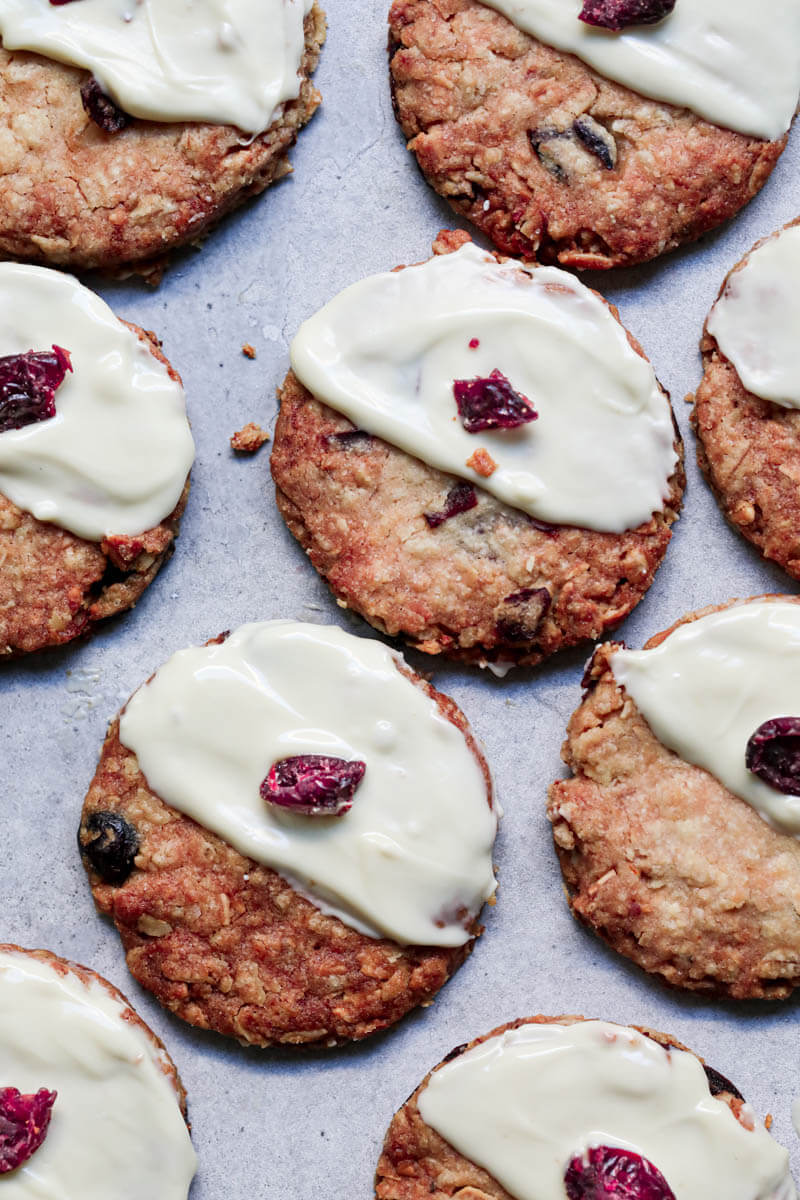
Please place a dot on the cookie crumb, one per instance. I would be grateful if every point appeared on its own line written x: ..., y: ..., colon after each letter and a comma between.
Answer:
x: 482, y: 462
x: 248, y: 351
x: 768, y: 1121
x: 249, y: 439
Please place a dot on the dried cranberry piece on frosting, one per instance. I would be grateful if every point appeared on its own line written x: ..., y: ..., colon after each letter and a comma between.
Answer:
x: 461, y: 498
x: 23, y: 1125
x: 606, y: 1171
x: 619, y: 14
x: 28, y: 384
x: 491, y: 403
x: 773, y: 754
x: 102, y: 109
x: 316, y: 785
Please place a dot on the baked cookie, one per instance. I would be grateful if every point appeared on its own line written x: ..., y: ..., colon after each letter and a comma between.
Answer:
x: 678, y: 831
x: 91, y: 1103
x: 746, y: 408
x: 486, y: 534
x: 555, y: 161
x: 85, y: 185
x: 516, y: 1115
x: 292, y: 833
x: 88, y: 513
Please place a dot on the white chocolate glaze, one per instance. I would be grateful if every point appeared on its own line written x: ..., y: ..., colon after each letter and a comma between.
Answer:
x: 524, y: 1103
x: 114, y: 458
x: 387, y: 350
x: 116, y: 1128
x: 415, y: 849
x: 756, y: 320
x: 224, y: 61
x: 731, y: 61
x: 706, y: 689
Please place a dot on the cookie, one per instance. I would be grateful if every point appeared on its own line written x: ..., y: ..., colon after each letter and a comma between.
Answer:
x: 320, y: 922
x: 550, y: 159
x: 89, y: 1090
x: 749, y: 433
x: 674, y: 844
x: 515, y: 1115
x: 88, y: 514
x: 74, y: 195
x: 427, y: 543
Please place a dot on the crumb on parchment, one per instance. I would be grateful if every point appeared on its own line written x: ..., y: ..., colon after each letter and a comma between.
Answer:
x: 249, y: 439
x: 248, y: 351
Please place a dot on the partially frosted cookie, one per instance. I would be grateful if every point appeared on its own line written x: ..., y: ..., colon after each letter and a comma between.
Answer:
x: 746, y: 408
x: 477, y: 456
x: 88, y: 510
x: 293, y: 834
x: 678, y: 831
x: 91, y: 1105
x: 561, y: 1108
x: 126, y: 133
x: 594, y: 147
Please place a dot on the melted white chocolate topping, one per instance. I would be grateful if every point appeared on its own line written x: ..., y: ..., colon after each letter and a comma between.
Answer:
x: 523, y: 1104
x: 116, y: 1128
x: 225, y: 61
x: 114, y: 458
x: 386, y: 352
x: 733, y: 62
x: 756, y: 320
x: 708, y: 686
x: 414, y: 852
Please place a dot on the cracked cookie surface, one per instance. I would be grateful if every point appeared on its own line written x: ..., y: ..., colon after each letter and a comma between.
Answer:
x: 72, y: 195
x: 549, y: 159
x: 227, y: 944
x: 56, y: 586
x: 663, y: 862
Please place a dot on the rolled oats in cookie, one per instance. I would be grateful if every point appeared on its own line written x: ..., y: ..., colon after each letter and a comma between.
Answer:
x: 161, y: 115
x: 594, y: 147
x: 678, y: 831
x: 456, y: 438
x: 92, y: 1105
x: 746, y: 407
x: 88, y: 511
x: 293, y: 833
x: 555, y: 1108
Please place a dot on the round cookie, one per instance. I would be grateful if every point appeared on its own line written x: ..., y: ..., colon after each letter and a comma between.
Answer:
x: 662, y: 860
x: 118, y: 1097
x: 749, y: 450
x: 56, y: 584
x: 75, y: 196
x: 418, y: 1162
x: 489, y: 584
x: 490, y: 114
x: 226, y: 942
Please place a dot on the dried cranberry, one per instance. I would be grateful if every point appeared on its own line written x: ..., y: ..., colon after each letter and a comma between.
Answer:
x: 347, y: 439
x: 474, y: 343
x: 461, y: 498
x: 520, y: 614
x: 717, y: 1083
x: 23, y: 1125
x: 111, y: 844
x: 28, y: 384
x: 102, y: 109
x: 607, y: 1171
x: 316, y: 785
x: 619, y: 14
x: 491, y: 404
x: 773, y: 753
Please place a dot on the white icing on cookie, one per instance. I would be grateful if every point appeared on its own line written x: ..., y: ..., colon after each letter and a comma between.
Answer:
x: 114, y: 458
x: 523, y: 1104
x: 709, y: 685
x: 756, y: 320
x: 116, y: 1128
x: 415, y: 849
x: 387, y: 350
x: 731, y: 61
x: 225, y: 61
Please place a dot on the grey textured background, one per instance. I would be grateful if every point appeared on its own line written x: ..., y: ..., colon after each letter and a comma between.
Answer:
x: 272, y: 1124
